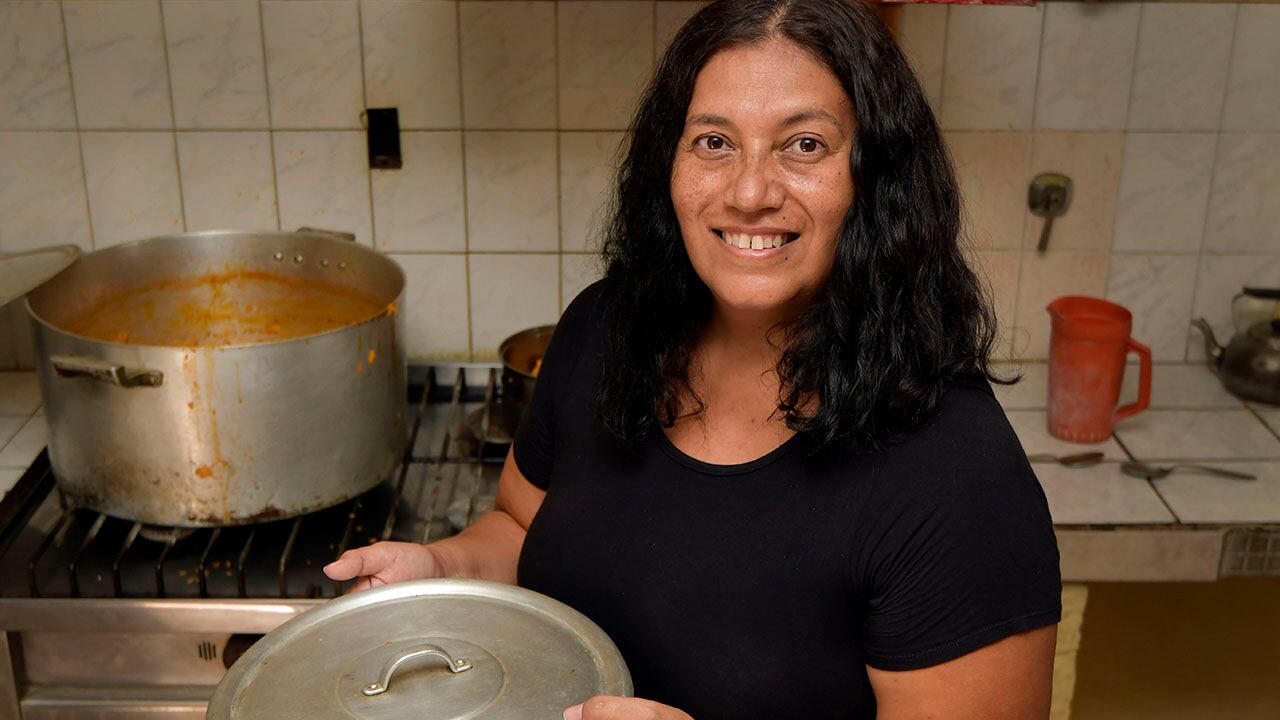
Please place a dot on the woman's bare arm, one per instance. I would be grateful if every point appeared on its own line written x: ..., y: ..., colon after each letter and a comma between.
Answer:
x: 489, y: 549
x: 1008, y: 680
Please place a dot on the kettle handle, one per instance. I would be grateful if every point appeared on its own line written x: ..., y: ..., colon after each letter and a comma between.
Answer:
x: 1144, y: 381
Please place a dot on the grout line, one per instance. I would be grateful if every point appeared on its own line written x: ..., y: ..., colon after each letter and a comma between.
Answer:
x: 75, y: 116
x: 173, y: 115
x: 1035, y: 93
x: 271, y: 121
x: 1213, y: 176
x: 364, y: 96
x: 555, y: 29
x: 1274, y: 431
x: 1133, y: 74
x: 466, y: 210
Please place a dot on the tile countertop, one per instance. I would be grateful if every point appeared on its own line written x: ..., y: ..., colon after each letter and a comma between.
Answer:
x: 1110, y: 526
x: 1183, y: 527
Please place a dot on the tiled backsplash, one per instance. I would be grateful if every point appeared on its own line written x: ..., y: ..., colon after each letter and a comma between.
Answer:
x: 121, y: 119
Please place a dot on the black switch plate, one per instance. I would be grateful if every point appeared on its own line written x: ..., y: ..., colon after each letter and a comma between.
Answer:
x: 384, y: 138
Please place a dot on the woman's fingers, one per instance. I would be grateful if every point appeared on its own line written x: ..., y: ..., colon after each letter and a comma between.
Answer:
x: 607, y: 707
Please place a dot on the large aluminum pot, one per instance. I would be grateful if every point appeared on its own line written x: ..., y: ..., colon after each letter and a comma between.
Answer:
x: 223, y: 434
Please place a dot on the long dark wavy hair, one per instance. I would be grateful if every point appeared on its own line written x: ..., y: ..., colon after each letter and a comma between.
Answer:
x: 901, y: 317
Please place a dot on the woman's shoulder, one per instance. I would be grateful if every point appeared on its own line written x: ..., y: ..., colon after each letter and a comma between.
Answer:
x: 966, y: 444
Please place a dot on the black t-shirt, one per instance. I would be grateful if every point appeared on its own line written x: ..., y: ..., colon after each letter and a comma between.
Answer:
x: 762, y: 590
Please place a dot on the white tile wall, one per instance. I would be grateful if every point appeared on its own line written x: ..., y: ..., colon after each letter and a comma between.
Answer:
x: 1164, y: 192
x: 313, y: 63
x: 411, y: 60
x: 420, y: 208
x: 1244, y: 216
x: 605, y: 56
x: 922, y: 35
x: 118, y: 64
x: 587, y: 163
x: 435, y: 306
x: 1253, y: 95
x: 1165, y: 115
x: 511, y: 191
x: 42, y: 196
x: 992, y: 168
x: 1180, y: 77
x: 508, y: 64
x: 228, y: 180
x: 1086, y: 66
x: 510, y: 293
x: 132, y: 179
x: 323, y: 181
x: 35, y: 85
x: 216, y: 63
x: 989, y: 75
x: 1158, y: 290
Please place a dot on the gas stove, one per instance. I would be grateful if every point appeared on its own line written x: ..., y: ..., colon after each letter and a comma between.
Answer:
x: 102, y: 617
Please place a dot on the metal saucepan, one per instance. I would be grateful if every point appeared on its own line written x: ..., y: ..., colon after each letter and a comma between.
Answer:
x: 283, y: 394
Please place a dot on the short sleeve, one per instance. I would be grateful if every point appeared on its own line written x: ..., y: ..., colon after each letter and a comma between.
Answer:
x: 534, y: 445
x: 960, y: 551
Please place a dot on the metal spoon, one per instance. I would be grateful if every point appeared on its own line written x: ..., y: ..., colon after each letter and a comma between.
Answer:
x: 1079, y: 460
x: 1153, y: 472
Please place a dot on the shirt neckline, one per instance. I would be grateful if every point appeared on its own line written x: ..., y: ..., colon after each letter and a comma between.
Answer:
x: 707, y: 468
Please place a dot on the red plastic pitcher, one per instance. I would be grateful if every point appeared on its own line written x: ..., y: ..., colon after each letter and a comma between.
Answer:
x: 1087, y: 350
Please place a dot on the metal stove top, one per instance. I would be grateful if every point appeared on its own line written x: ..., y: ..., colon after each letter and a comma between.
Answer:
x: 103, y: 618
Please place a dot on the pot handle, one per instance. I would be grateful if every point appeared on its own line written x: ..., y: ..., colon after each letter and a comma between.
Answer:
x: 74, y: 366
x: 350, y: 237
x: 389, y: 668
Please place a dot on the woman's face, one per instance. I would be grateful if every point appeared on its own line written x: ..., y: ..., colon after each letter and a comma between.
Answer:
x: 761, y: 180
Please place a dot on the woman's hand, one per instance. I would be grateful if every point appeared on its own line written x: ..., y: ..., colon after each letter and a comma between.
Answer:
x: 384, y: 563
x: 607, y: 707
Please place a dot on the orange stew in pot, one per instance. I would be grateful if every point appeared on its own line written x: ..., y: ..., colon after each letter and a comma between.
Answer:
x: 237, y: 307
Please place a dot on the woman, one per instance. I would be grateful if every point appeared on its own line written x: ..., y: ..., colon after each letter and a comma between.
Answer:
x: 763, y: 453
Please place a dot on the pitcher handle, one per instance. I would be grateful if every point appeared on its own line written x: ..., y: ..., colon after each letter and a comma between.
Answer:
x: 1144, y: 381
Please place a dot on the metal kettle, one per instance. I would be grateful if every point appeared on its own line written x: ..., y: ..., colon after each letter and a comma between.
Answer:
x: 1249, y: 366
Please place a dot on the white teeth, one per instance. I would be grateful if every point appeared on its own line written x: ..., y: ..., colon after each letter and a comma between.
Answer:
x: 755, y: 242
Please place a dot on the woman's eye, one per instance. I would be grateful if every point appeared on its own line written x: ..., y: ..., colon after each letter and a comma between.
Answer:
x: 808, y: 145
x: 711, y: 142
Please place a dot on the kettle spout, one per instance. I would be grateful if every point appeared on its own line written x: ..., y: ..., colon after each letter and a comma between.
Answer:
x: 1212, y: 349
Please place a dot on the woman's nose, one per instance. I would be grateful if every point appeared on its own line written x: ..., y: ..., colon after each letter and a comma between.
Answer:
x: 755, y: 187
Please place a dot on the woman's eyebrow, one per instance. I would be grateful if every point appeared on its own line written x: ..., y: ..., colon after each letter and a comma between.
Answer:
x: 814, y: 114
x: 795, y: 119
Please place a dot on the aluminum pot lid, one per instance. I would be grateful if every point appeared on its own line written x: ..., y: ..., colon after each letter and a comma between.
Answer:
x: 20, y: 273
x: 427, y: 649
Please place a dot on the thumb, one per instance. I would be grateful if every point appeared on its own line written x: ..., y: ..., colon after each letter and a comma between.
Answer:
x: 573, y: 713
x: 353, y: 563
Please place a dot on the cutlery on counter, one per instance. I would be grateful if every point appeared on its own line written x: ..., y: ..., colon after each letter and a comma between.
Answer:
x: 1079, y: 460
x: 1155, y: 472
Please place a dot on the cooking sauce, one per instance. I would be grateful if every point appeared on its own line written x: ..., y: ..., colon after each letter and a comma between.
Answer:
x: 238, y: 307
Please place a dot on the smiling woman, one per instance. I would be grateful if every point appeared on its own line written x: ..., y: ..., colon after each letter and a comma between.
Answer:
x: 763, y: 453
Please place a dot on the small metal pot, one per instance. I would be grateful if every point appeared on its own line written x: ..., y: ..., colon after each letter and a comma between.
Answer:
x: 427, y: 649
x: 520, y: 354
x: 200, y: 436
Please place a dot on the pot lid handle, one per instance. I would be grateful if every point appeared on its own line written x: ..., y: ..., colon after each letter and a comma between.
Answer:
x: 348, y: 236
x: 22, y: 272
x: 383, y: 683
